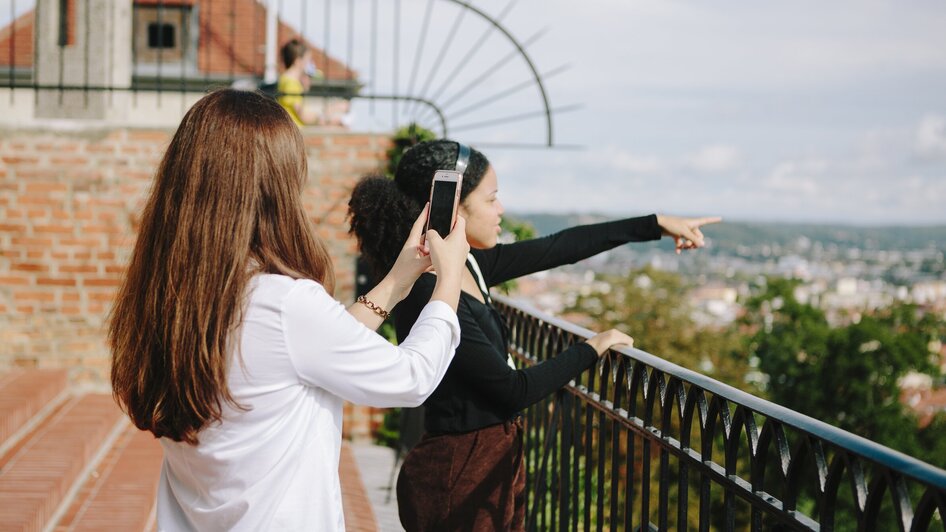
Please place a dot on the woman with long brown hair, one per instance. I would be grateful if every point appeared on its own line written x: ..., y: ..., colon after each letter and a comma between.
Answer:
x: 226, y: 341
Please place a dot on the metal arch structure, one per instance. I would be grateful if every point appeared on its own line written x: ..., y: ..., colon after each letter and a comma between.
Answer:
x: 198, y: 66
x: 435, y: 108
x: 525, y: 57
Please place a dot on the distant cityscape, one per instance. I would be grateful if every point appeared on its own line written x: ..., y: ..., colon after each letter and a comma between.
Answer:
x: 843, y: 270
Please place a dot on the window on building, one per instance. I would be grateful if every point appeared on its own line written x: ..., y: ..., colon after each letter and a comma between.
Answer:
x: 160, y: 35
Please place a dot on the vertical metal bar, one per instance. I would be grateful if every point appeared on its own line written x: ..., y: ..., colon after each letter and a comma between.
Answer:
x: 614, y: 512
x: 351, y: 39
x: 233, y: 45
x: 553, y: 475
x: 629, y: 462
x: 683, y: 489
x: 206, y: 40
x: 395, y: 64
x: 544, y: 473
x: 63, y: 41
x: 254, y: 32
x: 63, y: 22
x: 602, y: 445
x: 374, y: 52
x: 531, y: 466
x: 328, y: 62
x: 589, y: 444
x: 160, y: 49
x: 663, y: 494
x: 12, y: 48
x: 85, y: 74
x: 707, y: 437
x: 565, y: 446
x: 270, y: 64
x: 577, y: 477
x: 645, y: 466
x: 184, y: 41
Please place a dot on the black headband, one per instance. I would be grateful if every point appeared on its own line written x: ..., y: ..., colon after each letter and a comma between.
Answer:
x: 463, y: 157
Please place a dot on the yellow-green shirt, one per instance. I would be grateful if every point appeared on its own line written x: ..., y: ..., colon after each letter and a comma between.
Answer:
x: 290, y: 95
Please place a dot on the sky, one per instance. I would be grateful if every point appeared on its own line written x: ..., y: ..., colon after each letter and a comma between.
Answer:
x: 757, y: 111
x: 799, y: 111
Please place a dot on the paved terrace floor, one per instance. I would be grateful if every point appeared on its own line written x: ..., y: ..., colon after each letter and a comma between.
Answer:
x: 71, y: 462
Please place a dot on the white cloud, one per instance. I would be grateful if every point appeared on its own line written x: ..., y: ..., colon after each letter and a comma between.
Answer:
x: 624, y: 161
x: 798, y: 177
x: 714, y: 158
x: 930, y: 140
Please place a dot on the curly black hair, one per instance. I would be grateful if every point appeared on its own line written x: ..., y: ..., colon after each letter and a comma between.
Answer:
x: 382, y: 210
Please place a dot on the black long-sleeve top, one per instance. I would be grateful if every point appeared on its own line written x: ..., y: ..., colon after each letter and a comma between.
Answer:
x: 480, y: 389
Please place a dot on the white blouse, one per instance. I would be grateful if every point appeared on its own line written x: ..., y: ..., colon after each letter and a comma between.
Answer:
x: 274, y: 464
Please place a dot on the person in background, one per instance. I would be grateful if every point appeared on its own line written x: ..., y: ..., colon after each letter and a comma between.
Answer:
x: 467, y: 472
x: 295, y: 81
x: 227, y: 343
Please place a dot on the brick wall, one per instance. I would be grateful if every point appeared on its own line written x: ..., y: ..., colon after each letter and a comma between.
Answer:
x: 68, y: 203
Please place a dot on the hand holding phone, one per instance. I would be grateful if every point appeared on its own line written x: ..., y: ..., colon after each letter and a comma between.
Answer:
x: 444, y: 200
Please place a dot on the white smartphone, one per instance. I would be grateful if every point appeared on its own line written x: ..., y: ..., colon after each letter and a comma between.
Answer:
x: 444, y: 199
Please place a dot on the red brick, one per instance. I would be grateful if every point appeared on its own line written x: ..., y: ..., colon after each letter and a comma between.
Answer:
x: 58, y: 281
x: 31, y: 241
x: 33, y: 296
x: 19, y: 159
x: 102, y: 282
x: 38, y: 173
x: 355, y: 141
x: 39, y: 188
x: 55, y: 229
x: 14, y: 281
x: 82, y: 242
x: 100, y: 148
x: 102, y: 297
x: 38, y: 199
x: 148, y: 136
x: 84, y: 268
x: 29, y: 267
x: 77, y: 161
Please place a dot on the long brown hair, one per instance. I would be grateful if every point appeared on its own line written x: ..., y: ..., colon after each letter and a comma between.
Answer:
x: 225, y: 204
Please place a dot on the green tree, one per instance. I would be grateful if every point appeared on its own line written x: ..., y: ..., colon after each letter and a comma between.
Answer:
x: 652, y: 306
x: 405, y: 138
x: 847, y: 376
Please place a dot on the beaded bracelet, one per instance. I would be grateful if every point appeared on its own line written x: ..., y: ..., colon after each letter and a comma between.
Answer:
x: 374, y: 308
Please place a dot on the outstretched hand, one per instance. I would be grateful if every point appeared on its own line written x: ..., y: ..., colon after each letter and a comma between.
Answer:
x: 685, y: 232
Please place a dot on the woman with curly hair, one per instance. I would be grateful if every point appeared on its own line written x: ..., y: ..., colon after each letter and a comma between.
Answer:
x: 467, y: 471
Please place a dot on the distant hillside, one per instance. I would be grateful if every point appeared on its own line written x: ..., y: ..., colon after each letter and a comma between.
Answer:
x: 729, y: 235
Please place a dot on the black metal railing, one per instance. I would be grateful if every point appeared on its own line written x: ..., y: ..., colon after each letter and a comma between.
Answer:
x: 642, y: 444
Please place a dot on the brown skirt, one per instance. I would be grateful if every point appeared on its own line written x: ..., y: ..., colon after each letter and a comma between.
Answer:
x: 469, y: 481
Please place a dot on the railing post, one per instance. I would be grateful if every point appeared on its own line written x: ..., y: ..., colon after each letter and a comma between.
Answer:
x: 272, y: 13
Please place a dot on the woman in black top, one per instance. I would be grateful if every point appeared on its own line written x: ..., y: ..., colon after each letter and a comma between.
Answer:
x: 467, y: 472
